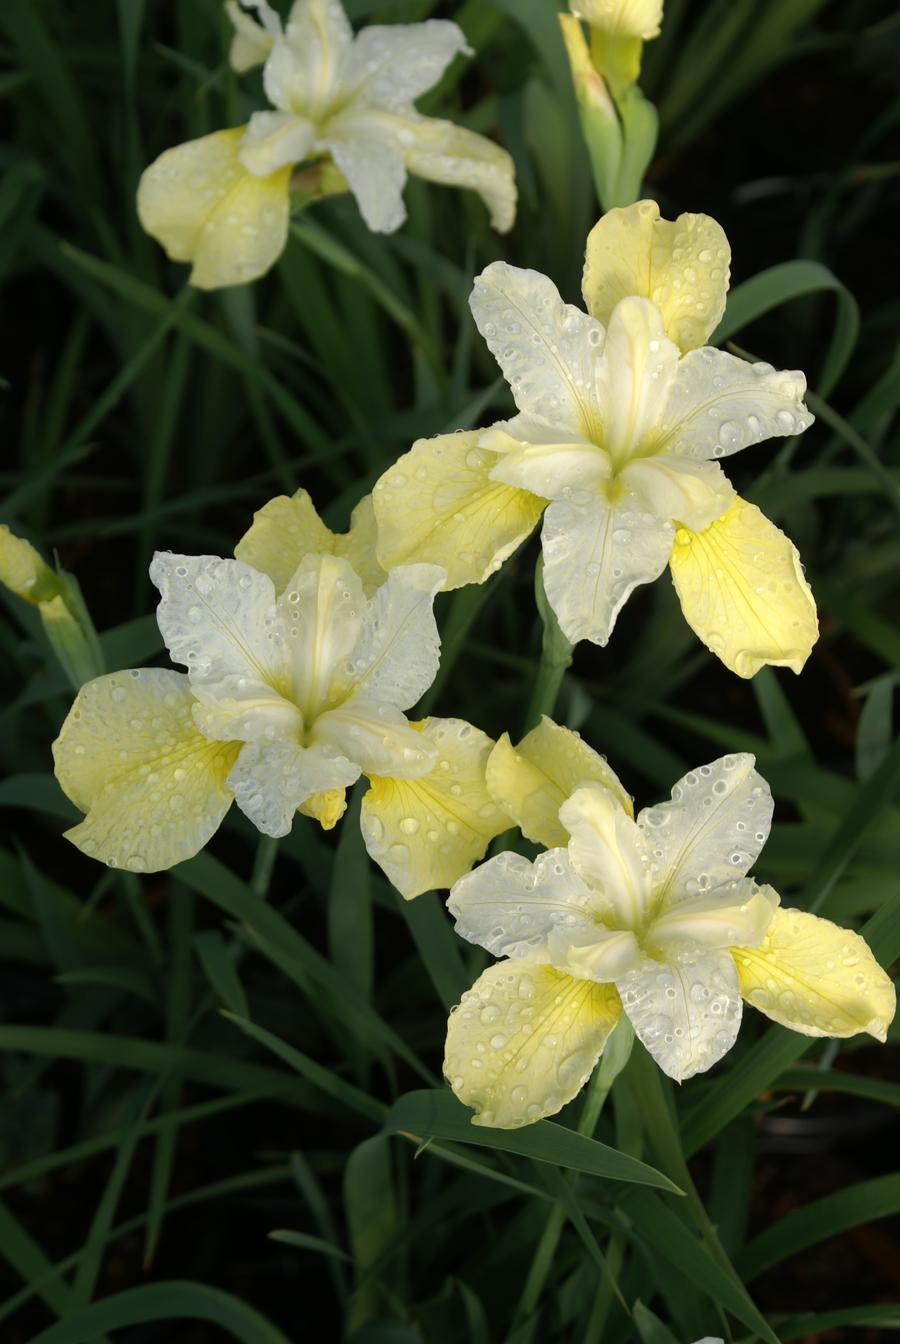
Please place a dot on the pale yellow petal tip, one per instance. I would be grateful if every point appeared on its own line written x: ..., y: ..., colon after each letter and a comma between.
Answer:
x: 621, y: 18
x: 743, y: 591
x: 326, y: 808
x: 817, y: 978
x: 23, y: 571
x: 682, y: 265
x: 532, y: 781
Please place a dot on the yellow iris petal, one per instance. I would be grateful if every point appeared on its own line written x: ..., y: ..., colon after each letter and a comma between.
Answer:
x: 438, y: 504
x: 742, y: 590
x: 427, y: 832
x: 130, y: 756
x: 202, y: 205
x: 682, y: 266
x: 288, y: 528
x: 622, y: 18
x: 533, y: 780
x: 326, y: 808
x: 524, y: 1040
x: 816, y: 978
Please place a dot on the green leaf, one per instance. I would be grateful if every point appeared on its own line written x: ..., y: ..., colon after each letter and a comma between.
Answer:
x: 172, y: 1301
x: 791, y: 280
x: 218, y: 963
x: 823, y: 1218
x: 325, y: 1079
x: 438, y: 1114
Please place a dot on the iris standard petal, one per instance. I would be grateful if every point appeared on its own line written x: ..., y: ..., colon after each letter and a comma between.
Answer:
x: 397, y: 654
x: 609, y: 853
x: 548, y: 350
x: 718, y: 404
x: 713, y: 829
x: 633, y: 251
x: 218, y: 618
x: 531, y: 782
x: 322, y: 611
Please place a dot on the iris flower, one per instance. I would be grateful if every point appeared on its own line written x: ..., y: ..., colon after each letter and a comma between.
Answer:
x: 624, y: 415
x: 655, y: 917
x: 297, y: 682
x: 340, y: 101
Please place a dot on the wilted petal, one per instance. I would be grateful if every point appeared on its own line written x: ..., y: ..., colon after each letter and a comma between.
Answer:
x: 511, y: 906
x: 609, y: 853
x: 218, y: 618
x: 742, y: 590
x: 713, y: 829
x: 531, y: 782
x: 595, y: 554
x: 719, y: 404
x: 271, y: 779
x: 438, y: 504
x: 632, y: 251
x: 524, y: 1040
x: 377, y: 738
x: 130, y: 756
x: 202, y: 205
x: 549, y: 351
x: 427, y: 832
x: 685, y: 1012
x: 397, y: 654
x: 816, y: 978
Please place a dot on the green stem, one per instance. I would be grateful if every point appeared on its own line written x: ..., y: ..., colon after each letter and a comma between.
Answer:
x: 556, y: 658
x: 613, y: 1060
x: 263, y: 864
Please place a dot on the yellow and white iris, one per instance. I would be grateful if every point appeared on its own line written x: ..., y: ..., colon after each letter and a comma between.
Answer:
x: 655, y: 917
x: 295, y: 687
x: 623, y: 415
x: 222, y: 202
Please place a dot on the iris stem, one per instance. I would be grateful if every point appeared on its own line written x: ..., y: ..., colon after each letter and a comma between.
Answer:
x: 263, y: 865
x: 612, y: 1062
x: 556, y: 658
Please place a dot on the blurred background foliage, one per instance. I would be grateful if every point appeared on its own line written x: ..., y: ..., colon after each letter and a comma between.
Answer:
x: 177, y: 1173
